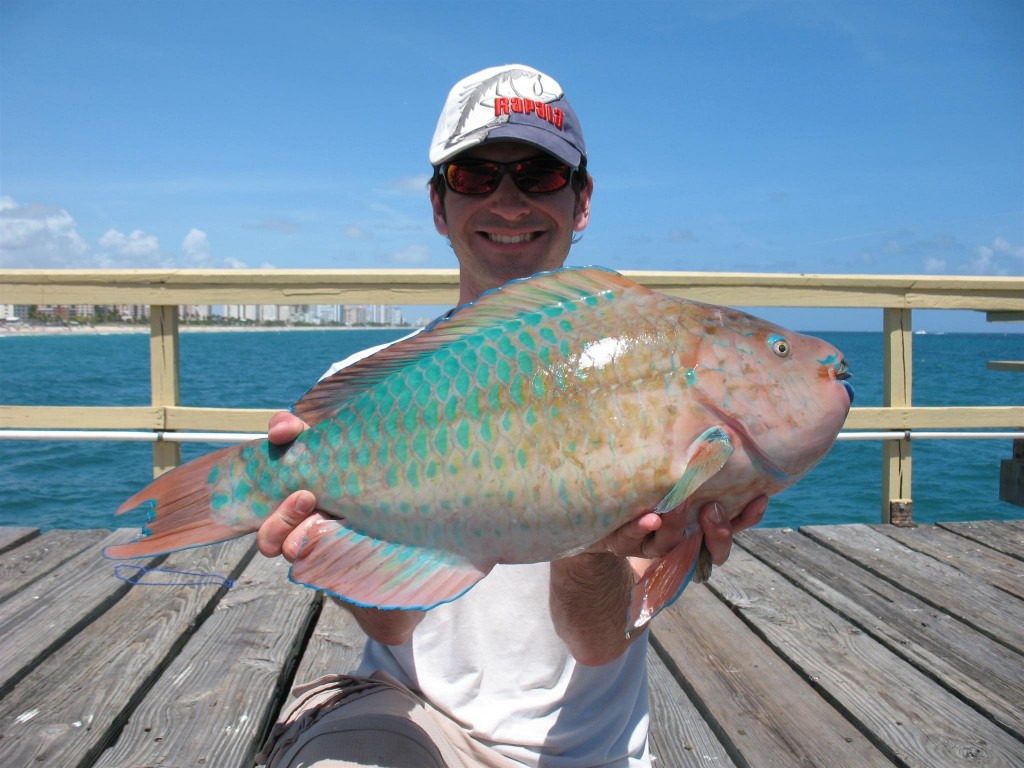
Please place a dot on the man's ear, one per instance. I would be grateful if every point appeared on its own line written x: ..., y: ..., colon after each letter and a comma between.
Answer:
x: 582, y: 217
x: 440, y: 220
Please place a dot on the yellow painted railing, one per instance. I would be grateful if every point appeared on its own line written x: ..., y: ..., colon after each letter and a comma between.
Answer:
x: 897, y: 296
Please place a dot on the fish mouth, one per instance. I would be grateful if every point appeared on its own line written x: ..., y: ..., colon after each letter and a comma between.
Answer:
x: 841, y: 373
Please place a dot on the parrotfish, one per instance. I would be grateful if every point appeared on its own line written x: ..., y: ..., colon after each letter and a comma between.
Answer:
x: 524, y: 427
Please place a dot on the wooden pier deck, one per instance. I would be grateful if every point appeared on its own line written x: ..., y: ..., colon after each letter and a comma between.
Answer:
x: 832, y: 646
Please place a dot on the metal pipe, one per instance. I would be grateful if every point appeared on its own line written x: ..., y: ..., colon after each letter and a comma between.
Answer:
x: 241, y: 437
x: 127, y: 436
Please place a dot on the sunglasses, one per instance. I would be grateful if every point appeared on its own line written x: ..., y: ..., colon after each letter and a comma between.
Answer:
x: 535, y: 176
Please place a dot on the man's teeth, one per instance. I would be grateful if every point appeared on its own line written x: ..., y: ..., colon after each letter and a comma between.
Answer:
x: 510, y: 239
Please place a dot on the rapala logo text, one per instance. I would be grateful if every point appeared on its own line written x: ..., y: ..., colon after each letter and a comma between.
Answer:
x: 503, y: 105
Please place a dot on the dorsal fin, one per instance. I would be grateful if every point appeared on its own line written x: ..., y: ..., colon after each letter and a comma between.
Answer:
x: 494, y: 307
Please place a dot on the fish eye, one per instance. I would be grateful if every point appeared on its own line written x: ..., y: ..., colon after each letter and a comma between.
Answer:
x: 779, y: 345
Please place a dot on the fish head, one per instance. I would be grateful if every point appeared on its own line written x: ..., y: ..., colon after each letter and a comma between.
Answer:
x: 782, y: 396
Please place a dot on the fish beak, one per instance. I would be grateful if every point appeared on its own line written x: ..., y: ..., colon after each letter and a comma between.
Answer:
x: 841, y: 372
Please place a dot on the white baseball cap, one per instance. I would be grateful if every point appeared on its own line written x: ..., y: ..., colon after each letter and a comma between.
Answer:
x: 509, y: 103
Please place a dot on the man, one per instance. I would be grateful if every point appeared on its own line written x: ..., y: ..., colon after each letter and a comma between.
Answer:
x: 532, y: 666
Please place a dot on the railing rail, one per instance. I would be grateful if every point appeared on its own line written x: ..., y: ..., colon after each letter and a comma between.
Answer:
x: 164, y: 290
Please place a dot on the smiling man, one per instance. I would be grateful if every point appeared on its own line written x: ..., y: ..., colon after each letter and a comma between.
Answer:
x: 531, y: 666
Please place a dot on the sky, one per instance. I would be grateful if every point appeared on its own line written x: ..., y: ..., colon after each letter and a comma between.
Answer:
x: 795, y: 136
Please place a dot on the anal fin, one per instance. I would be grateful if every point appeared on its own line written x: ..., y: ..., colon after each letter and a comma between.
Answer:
x: 376, y: 573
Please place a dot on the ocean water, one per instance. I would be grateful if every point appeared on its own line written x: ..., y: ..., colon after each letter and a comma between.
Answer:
x: 79, y: 484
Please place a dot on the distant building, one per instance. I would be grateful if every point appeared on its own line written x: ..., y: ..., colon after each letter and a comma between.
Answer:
x: 194, y: 313
x: 310, y: 314
x: 132, y: 313
x: 13, y: 313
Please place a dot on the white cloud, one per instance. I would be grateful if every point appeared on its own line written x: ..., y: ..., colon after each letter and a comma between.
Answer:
x: 34, y: 236
x: 134, y: 250
x: 934, y: 266
x: 38, y: 237
x: 356, y: 233
x: 1002, y: 245
x: 999, y: 258
x: 196, y: 249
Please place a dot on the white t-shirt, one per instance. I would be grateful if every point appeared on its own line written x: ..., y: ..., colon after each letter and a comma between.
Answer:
x: 492, y: 661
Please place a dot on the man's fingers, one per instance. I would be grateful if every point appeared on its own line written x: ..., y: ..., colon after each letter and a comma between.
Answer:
x: 751, y: 515
x: 285, y: 427
x: 630, y: 539
x: 717, y: 532
x: 277, y: 531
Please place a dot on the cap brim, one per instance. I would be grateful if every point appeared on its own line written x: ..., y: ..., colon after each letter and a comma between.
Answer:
x: 524, y: 134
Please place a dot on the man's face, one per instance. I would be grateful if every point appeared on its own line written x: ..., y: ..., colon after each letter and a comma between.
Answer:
x: 508, y: 234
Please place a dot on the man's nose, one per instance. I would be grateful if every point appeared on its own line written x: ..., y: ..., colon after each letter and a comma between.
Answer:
x: 508, y: 202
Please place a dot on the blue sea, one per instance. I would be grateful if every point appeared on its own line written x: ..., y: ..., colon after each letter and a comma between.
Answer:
x: 80, y: 484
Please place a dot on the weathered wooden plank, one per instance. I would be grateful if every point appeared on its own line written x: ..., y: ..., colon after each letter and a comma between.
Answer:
x: 981, y: 670
x: 12, y: 536
x: 1017, y: 526
x: 213, y: 703
x: 1006, y: 536
x: 762, y: 711
x: 75, y: 700
x: 42, y: 616
x: 679, y: 736
x: 40, y: 555
x: 984, y: 607
x: 334, y: 647
x: 977, y: 560
x: 80, y: 417
x: 907, y: 713
x: 934, y: 417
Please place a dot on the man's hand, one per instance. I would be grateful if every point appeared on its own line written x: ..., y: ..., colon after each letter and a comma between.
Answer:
x: 719, y: 530
x: 591, y: 592
x: 283, y: 532
x: 651, y: 536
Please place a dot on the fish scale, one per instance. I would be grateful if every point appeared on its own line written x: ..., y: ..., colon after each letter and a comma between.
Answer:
x: 525, y: 427
x: 477, y: 399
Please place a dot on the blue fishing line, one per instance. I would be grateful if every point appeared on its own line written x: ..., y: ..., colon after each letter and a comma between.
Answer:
x: 202, y: 579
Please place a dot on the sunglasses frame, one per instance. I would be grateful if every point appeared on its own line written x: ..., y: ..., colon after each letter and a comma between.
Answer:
x: 514, y: 169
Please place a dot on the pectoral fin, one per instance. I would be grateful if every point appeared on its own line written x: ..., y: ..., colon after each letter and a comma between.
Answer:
x: 708, y: 454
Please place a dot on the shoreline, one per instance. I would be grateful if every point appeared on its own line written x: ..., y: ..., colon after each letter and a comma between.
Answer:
x: 114, y: 330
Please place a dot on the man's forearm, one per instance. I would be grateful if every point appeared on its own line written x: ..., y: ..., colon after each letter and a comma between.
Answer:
x: 590, y: 597
x: 387, y: 627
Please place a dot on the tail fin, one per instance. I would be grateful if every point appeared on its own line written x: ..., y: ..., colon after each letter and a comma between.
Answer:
x: 181, y: 514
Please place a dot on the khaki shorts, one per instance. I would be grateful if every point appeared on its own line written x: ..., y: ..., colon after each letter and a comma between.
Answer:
x: 340, y: 721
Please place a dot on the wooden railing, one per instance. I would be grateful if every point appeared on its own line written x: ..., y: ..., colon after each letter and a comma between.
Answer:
x: 897, y: 297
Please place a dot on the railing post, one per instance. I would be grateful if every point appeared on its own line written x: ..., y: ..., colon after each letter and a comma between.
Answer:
x: 164, y: 378
x: 897, y: 505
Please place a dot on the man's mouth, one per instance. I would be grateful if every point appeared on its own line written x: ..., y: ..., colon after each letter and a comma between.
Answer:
x: 524, y: 237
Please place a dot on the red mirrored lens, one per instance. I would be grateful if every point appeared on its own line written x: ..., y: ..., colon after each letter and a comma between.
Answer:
x: 480, y: 177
